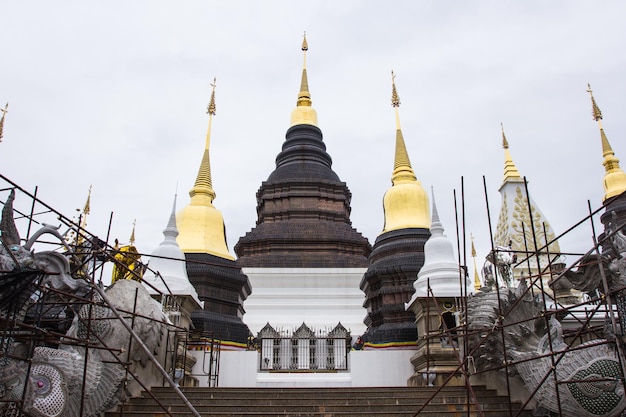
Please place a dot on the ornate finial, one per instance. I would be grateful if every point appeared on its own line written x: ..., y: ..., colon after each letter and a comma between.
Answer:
x: 203, y: 184
x: 304, y: 112
x: 510, y: 170
x: 473, y: 248
x: 4, y: 111
x: 505, y: 143
x: 305, y: 46
x: 477, y: 283
x: 87, y: 208
x: 614, y: 177
x: 395, y: 100
x: 595, y: 110
x: 132, y: 234
x: 211, y: 107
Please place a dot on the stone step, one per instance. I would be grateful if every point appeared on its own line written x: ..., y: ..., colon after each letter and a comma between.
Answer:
x: 314, y: 406
x: 319, y: 402
x: 355, y: 413
x: 481, y: 399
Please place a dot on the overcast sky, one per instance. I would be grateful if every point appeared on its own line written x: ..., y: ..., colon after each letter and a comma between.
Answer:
x: 113, y: 94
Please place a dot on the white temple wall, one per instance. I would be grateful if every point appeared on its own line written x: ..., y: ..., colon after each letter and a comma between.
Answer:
x: 381, y: 368
x: 319, y: 297
x: 238, y: 368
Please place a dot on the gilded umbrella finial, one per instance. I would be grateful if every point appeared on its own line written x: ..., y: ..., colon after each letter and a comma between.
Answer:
x: 505, y: 143
x: 4, y: 111
x: 211, y: 107
x: 395, y: 99
x: 595, y: 110
x: 305, y: 46
x: 132, y: 234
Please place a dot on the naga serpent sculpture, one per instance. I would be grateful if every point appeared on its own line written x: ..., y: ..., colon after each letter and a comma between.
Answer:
x: 588, y: 375
x: 82, y: 372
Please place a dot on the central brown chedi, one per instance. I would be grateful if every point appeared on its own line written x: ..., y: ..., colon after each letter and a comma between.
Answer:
x: 303, y: 208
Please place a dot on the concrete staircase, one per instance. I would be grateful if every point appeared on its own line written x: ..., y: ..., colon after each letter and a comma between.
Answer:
x: 321, y: 402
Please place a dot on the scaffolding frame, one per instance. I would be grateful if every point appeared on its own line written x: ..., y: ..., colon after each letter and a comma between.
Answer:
x: 38, y: 330
x: 51, y: 309
x: 603, y: 306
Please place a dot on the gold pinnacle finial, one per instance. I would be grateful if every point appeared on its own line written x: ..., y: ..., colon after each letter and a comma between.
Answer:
x: 4, y: 111
x: 395, y: 99
x: 305, y: 46
x: 477, y: 283
x: 595, y: 110
x: 304, y: 112
x: 510, y: 170
x: 211, y: 107
x: 304, y: 97
x: 473, y: 248
x: 83, y: 219
x: 614, y: 177
x: 211, y: 112
x: 132, y: 234
x: 87, y: 208
x: 203, y: 184
x: 505, y: 143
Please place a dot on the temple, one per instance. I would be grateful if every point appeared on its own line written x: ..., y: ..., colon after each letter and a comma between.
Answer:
x: 304, y: 300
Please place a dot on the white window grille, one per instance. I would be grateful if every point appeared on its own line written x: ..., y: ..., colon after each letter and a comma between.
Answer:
x: 304, y: 349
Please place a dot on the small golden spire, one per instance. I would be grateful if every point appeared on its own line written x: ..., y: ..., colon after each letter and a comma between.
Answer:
x: 304, y: 113
x: 614, y: 177
x: 505, y: 143
x: 510, y: 170
x: 305, y: 45
x: 204, y: 183
x: 211, y: 107
x: 87, y: 208
x: 477, y: 284
x: 395, y: 99
x: 132, y: 234
x: 86, y: 211
x: 4, y: 111
x: 595, y: 110
x: 304, y: 97
x: 210, y: 110
x: 402, y: 163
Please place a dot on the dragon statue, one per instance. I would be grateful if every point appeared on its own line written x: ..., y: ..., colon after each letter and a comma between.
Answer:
x: 83, y: 371
x: 514, y: 321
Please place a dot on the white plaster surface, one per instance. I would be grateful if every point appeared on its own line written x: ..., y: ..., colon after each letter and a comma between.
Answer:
x: 373, y: 368
x: 319, y: 297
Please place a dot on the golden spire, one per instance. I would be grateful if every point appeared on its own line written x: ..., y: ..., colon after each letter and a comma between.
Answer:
x: 510, y: 170
x: 200, y: 225
x: 204, y: 184
x: 406, y: 202
x: 402, y: 164
x: 477, y: 284
x: 4, y: 111
x: 614, y: 177
x: 131, y: 241
x: 76, y: 238
x: 210, y: 110
x: 86, y: 209
x: 304, y: 113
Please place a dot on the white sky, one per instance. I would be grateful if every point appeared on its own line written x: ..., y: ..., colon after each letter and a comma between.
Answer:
x: 113, y: 94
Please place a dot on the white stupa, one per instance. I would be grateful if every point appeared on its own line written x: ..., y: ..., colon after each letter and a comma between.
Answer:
x: 441, y: 268
x: 168, y: 263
